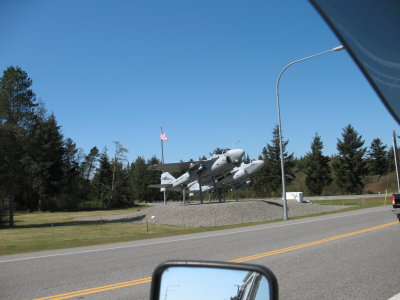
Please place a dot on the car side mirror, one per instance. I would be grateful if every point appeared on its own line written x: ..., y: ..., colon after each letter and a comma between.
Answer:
x: 174, y: 280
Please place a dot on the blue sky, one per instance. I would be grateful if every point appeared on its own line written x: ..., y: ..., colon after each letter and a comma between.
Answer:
x: 199, y: 283
x: 205, y: 70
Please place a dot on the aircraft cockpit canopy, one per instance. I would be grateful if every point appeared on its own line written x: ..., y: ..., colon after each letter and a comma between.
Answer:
x: 221, y: 151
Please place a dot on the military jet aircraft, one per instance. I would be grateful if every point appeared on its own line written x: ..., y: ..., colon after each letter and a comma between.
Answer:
x: 218, y: 164
x: 237, y: 179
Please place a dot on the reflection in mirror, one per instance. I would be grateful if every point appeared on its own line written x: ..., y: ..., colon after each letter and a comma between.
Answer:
x: 179, y: 283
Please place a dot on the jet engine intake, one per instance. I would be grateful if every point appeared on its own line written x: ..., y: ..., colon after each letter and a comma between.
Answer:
x: 239, y: 174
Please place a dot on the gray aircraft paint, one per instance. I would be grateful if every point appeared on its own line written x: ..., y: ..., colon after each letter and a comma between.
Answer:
x: 216, y: 165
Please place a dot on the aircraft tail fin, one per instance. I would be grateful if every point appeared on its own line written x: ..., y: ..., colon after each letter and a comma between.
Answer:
x: 166, y: 178
x: 166, y: 182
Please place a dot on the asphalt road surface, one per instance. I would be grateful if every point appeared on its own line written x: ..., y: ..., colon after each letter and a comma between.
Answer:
x: 353, y: 255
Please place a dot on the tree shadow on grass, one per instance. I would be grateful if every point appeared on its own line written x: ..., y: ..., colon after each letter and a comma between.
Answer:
x: 79, y: 223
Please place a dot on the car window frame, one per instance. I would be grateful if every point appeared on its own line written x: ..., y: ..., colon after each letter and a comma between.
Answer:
x: 358, y: 62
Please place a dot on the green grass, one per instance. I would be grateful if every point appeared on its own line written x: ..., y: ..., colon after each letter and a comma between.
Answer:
x: 357, y: 203
x: 48, y: 231
x: 22, y: 240
x: 19, y: 240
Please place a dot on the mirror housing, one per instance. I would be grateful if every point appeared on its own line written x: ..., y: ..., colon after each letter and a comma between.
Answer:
x: 209, y: 279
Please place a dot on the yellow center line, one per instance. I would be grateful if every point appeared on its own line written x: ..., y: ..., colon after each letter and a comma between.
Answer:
x: 238, y: 260
x: 274, y: 252
x: 98, y: 289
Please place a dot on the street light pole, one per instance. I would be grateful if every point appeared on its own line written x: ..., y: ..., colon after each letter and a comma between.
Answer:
x: 285, y: 214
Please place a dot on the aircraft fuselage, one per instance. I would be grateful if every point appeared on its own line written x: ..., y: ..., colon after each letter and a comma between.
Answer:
x: 216, y: 165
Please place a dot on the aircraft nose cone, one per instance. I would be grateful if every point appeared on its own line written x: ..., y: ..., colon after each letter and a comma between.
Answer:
x: 254, y: 166
x: 235, y: 154
x: 258, y: 164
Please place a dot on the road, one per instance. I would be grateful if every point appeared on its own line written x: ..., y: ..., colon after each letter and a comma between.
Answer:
x: 353, y: 255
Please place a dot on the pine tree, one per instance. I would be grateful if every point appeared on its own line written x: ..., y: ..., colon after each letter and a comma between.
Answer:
x: 317, y: 170
x: 90, y: 162
x: 137, y: 179
x: 44, y: 162
x: 121, y: 196
x: 17, y: 103
x: 349, y: 167
x: 391, y: 161
x: 268, y: 180
x: 119, y: 157
x: 152, y: 177
x: 103, y: 178
x: 378, y: 158
x: 17, y: 100
x: 74, y: 188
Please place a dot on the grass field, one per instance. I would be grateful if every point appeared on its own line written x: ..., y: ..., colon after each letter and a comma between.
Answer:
x: 357, y: 203
x: 47, y: 231
x: 40, y: 231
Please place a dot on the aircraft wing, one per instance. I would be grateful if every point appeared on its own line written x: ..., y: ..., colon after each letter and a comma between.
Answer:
x: 164, y: 186
x: 178, y: 167
x: 159, y: 186
x: 173, y: 167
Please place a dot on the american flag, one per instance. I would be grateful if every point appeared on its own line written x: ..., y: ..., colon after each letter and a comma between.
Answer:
x: 163, y: 137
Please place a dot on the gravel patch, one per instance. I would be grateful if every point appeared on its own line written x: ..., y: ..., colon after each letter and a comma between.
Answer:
x: 215, y: 213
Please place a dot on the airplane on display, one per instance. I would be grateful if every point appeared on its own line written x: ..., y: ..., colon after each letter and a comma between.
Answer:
x: 217, y: 165
x: 237, y: 179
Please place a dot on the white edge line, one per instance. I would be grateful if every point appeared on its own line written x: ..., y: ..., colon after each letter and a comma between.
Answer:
x: 190, y: 238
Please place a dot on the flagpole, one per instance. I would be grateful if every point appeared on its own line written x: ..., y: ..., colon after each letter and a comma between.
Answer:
x: 162, y: 161
x: 162, y: 146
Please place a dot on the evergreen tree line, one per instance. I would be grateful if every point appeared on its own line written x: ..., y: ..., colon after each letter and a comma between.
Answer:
x: 40, y: 169
x: 345, y: 171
